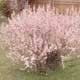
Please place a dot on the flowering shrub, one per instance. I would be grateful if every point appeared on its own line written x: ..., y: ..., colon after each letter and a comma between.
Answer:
x: 36, y: 38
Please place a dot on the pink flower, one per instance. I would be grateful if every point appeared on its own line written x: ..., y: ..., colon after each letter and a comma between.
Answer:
x: 33, y: 34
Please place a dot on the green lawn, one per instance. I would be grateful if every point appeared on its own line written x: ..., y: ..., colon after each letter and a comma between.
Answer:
x: 8, y: 72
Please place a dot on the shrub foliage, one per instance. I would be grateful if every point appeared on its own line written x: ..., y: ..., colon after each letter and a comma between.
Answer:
x: 38, y: 39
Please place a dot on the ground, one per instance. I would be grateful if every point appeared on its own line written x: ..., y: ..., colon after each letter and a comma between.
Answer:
x: 9, y: 72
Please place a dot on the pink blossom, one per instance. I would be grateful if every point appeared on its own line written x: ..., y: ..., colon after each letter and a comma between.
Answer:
x: 33, y: 34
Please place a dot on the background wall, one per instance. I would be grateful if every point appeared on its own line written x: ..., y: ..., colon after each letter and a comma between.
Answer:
x: 59, y: 4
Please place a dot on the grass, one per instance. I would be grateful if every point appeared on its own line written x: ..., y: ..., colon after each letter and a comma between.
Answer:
x: 8, y: 72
